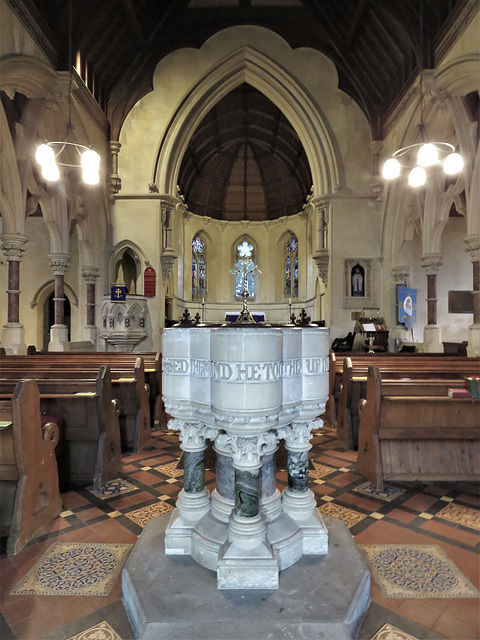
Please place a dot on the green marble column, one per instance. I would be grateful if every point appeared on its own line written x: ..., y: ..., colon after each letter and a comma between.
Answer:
x: 298, y: 470
x: 194, y: 471
x: 246, y: 493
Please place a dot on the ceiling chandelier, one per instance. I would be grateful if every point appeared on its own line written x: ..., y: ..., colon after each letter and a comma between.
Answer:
x: 52, y: 154
x: 428, y: 154
x: 419, y: 156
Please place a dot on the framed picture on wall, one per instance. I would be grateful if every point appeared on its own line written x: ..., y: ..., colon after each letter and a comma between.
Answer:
x: 359, y: 290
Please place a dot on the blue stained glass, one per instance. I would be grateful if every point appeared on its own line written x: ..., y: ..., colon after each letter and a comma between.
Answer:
x: 197, y: 245
x: 194, y: 275
x: 292, y: 244
x: 239, y: 280
x: 295, y: 277
x: 201, y: 274
x: 288, y: 276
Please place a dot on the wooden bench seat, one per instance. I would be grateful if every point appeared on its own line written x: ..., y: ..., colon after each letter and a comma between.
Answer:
x: 353, y: 389
x: 121, y: 361
x: 128, y: 382
x: 29, y: 488
x: 417, y: 438
x: 91, y: 447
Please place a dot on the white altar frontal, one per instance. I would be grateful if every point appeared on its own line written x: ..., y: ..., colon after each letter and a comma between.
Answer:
x: 245, y: 388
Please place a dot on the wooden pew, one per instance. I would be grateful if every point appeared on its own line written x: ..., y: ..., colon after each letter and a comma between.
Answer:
x: 417, y: 438
x: 122, y: 361
x: 353, y: 389
x: 29, y: 490
x: 128, y: 380
x: 91, y: 448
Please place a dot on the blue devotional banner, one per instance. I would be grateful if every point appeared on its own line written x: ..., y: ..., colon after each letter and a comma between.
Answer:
x: 118, y: 293
x: 407, y: 306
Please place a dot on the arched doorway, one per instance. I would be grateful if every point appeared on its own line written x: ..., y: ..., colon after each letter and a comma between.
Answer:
x: 49, y: 318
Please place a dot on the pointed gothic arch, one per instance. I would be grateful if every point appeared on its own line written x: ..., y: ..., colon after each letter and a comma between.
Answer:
x: 247, y: 65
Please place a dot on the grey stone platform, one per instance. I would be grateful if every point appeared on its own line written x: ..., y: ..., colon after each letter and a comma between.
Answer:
x: 174, y: 598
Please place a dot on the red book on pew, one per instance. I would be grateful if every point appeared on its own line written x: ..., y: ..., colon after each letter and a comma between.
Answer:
x: 459, y: 393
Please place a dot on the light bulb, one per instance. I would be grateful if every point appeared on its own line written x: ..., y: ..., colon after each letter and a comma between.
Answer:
x: 427, y: 155
x: 44, y: 154
x: 391, y: 169
x: 90, y: 159
x: 90, y: 176
x: 417, y: 177
x: 453, y: 164
x: 50, y: 171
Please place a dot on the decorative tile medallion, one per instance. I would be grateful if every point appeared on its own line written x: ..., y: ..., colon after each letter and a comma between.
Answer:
x: 416, y: 571
x: 319, y: 471
x: 348, y: 516
x: 171, y: 469
x: 75, y: 569
x: 101, y: 631
x: 388, y: 494
x: 143, y: 515
x: 458, y: 514
x: 113, y: 488
x: 389, y: 632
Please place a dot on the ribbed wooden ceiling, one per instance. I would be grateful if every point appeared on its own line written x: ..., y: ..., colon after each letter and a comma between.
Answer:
x: 245, y: 161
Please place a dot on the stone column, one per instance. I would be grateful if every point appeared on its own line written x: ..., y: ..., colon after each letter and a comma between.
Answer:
x: 90, y: 274
x: 168, y: 255
x: 194, y: 499
x: 248, y: 560
x: 432, y: 334
x: 115, y: 181
x: 473, y: 247
x: 321, y: 257
x: 13, y: 333
x: 376, y: 182
x: 59, y: 263
x: 401, y: 275
x: 298, y: 500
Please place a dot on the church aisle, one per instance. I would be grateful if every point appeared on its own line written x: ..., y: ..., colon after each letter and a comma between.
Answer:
x: 421, y: 539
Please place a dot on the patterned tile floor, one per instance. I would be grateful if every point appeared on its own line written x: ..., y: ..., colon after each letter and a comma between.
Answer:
x: 445, y: 515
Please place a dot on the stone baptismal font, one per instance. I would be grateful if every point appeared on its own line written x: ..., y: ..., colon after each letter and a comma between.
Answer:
x: 245, y: 388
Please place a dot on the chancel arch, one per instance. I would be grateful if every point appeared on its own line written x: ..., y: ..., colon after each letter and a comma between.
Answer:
x: 248, y: 65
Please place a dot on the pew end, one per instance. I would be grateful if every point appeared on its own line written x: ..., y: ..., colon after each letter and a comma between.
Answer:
x: 30, y: 497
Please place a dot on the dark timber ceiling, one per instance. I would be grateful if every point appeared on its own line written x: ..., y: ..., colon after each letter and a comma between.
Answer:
x: 376, y: 45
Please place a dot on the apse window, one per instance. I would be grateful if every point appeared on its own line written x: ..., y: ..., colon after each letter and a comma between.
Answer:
x: 198, y: 267
x: 290, y: 267
x: 245, y: 262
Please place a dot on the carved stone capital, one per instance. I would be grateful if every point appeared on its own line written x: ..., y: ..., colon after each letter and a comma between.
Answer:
x: 321, y: 203
x: 377, y: 146
x: 13, y: 246
x: 193, y: 435
x: 167, y: 259
x: 377, y: 186
x: 297, y: 435
x: 401, y: 274
x: 90, y: 274
x: 473, y: 247
x: 432, y: 262
x: 322, y: 259
x: 59, y: 263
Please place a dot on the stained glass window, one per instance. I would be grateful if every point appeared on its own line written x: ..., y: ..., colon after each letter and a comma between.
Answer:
x: 290, y: 266
x: 245, y: 251
x: 198, y: 267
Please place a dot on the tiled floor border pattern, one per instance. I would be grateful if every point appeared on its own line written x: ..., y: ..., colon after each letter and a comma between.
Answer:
x: 445, y: 513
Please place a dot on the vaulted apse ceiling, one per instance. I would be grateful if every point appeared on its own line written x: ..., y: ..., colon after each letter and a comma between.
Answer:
x: 245, y: 161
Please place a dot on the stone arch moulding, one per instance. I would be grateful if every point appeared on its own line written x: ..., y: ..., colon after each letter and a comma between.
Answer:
x: 138, y: 253
x: 46, y: 289
x: 251, y: 66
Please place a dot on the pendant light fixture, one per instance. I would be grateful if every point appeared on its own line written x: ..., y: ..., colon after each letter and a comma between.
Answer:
x: 54, y: 154
x: 416, y: 158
